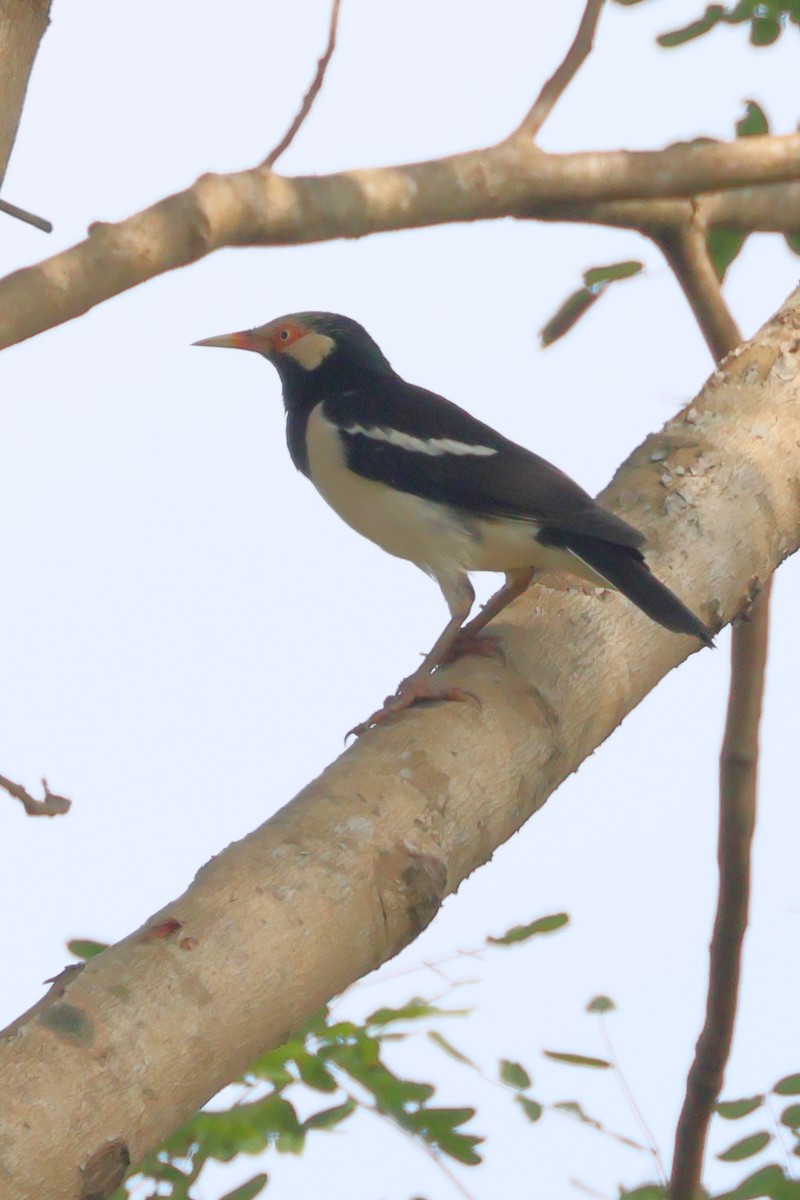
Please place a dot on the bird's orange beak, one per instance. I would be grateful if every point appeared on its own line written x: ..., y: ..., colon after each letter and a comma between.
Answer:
x: 248, y: 339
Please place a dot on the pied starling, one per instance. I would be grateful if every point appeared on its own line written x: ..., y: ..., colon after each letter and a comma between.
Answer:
x: 428, y: 482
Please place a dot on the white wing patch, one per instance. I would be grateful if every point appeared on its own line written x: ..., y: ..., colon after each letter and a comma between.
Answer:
x: 407, y: 441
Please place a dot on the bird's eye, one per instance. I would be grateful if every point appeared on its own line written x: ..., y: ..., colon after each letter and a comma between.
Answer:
x: 283, y: 334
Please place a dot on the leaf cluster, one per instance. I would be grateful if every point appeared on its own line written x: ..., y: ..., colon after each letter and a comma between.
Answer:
x: 767, y: 20
x: 339, y: 1060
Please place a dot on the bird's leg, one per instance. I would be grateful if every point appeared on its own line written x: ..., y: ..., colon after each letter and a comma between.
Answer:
x: 460, y: 596
x: 466, y: 640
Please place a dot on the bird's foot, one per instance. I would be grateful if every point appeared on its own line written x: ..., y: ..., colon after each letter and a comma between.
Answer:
x: 412, y: 689
x: 484, y: 644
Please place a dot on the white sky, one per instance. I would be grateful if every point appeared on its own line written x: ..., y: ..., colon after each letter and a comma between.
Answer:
x: 188, y: 631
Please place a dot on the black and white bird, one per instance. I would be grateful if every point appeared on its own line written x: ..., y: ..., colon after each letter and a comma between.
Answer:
x: 428, y: 482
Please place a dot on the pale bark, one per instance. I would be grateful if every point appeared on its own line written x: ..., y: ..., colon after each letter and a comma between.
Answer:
x: 258, y: 207
x: 349, y: 872
x: 22, y: 24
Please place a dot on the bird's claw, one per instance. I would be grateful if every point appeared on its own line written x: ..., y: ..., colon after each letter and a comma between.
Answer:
x: 484, y: 644
x: 411, y: 691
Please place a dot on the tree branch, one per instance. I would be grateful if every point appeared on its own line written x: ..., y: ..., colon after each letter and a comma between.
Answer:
x: 738, y: 791
x: 51, y: 806
x: 22, y: 214
x: 258, y: 207
x: 563, y: 76
x: 687, y: 253
x: 311, y: 94
x: 351, y: 871
x: 22, y: 26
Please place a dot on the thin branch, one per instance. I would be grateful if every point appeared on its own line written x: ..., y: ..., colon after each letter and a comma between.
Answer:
x: 421, y: 1144
x: 652, y: 1144
x: 51, y: 806
x: 22, y: 214
x: 564, y: 74
x: 738, y: 782
x: 688, y: 256
x: 686, y: 251
x: 311, y: 94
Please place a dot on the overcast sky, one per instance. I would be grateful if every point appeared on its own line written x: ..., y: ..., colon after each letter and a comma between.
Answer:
x: 188, y: 631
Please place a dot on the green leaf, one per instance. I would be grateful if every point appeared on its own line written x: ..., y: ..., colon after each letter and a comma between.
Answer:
x: 577, y: 1060
x: 276, y: 1119
x: 514, y: 1074
x: 754, y: 122
x: 328, y: 1117
x: 732, y: 1110
x: 695, y: 29
x: 764, y: 31
x: 248, y: 1190
x: 531, y: 1108
x: 768, y: 1181
x: 788, y: 1086
x: 392, y: 1094
x: 569, y: 313
x: 746, y: 1148
x: 449, y: 1048
x: 650, y: 1191
x: 595, y: 281
x: 791, y: 1116
x: 724, y: 246
x: 85, y: 948
x: 596, y: 276
x: 314, y: 1073
x: 521, y: 933
x: 273, y: 1064
x: 600, y: 1004
x: 413, y: 1011
x: 437, y: 1126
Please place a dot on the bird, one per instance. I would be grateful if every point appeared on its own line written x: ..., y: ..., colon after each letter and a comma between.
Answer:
x: 430, y: 483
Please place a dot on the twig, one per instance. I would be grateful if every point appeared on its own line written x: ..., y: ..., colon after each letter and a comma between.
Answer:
x: 51, y: 806
x: 22, y: 214
x: 652, y: 1144
x: 311, y: 94
x: 562, y: 77
x: 421, y: 1144
x: 688, y: 256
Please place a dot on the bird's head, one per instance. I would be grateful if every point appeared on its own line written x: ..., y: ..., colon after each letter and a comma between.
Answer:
x: 301, y: 344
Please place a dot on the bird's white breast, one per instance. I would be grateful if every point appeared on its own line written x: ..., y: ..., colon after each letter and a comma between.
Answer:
x: 407, y: 526
x: 427, y: 533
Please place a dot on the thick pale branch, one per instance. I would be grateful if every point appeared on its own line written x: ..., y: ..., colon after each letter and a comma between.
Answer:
x: 259, y: 207
x: 350, y: 871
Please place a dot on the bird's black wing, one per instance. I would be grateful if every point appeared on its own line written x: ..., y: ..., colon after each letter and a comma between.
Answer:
x: 420, y: 443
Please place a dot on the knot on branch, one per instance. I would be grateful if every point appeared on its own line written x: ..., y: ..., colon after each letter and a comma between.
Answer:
x: 412, y: 886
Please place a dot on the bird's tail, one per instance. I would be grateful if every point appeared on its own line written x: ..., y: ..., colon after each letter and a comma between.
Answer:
x: 625, y: 569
